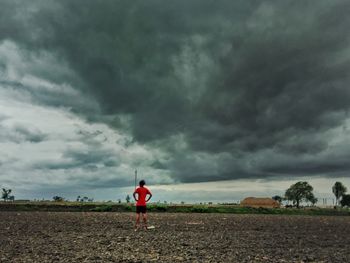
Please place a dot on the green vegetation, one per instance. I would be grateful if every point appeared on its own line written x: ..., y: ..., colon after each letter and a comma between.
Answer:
x: 102, y: 208
x: 157, y: 208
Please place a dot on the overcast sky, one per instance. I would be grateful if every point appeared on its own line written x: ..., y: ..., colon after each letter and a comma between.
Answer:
x: 207, y: 99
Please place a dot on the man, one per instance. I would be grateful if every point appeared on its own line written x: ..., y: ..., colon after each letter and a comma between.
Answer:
x: 141, y: 201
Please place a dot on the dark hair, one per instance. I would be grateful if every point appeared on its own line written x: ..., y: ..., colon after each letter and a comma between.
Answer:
x: 142, y: 183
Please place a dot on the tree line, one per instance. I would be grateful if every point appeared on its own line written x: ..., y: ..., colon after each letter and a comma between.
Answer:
x: 303, y: 192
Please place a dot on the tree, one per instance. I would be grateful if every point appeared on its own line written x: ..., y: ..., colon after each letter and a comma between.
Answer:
x: 127, y: 199
x: 338, y: 190
x: 313, y: 200
x: 345, y: 201
x: 5, y: 193
x: 300, y: 191
x: 277, y: 198
x: 57, y: 198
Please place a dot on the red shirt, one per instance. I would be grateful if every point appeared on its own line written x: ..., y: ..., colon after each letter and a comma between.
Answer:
x: 142, y: 193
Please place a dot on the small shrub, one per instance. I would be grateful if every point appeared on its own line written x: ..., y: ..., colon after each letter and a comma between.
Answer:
x: 345, y: 201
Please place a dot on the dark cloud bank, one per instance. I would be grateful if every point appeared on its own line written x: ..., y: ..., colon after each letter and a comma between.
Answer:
x: 228, y: 89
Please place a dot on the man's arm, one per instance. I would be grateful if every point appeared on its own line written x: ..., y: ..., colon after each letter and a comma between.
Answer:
x: 149, y: 197
x: 134, y: 195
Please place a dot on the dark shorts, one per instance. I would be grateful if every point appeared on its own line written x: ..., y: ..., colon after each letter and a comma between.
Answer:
x: 141, y: 209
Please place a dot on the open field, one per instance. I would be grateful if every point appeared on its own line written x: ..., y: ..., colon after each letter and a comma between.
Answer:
x: 158, y: 207
x: 178, y: 237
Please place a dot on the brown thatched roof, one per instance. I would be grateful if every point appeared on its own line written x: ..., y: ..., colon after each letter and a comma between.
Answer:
x: 259, y: 202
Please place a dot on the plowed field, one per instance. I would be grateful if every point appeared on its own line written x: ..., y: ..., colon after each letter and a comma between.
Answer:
x: 177, y: 237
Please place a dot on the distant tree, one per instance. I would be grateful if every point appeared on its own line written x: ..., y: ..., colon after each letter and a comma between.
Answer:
x: 119, y: 201
x: 6, y: 193
x: 277, y: 198
x: 78, y: 198
x: 300, y: 191
x: 57, y: 198
x: 85, y: 198
x: 313, y: 200
x: 90, y: 200
x: 345, y: 201
x: 127, y: 199
x: 11, y: 198
x: 182, y: 202
x: 338, y: 190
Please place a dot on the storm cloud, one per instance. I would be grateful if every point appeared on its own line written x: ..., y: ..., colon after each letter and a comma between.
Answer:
x: 218, y: 89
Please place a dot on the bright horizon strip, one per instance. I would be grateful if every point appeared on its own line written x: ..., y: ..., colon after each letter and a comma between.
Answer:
x: 236, y: 190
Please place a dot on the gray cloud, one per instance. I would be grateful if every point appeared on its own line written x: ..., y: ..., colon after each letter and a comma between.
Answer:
x: 226, y: 89
x: 3, y: 117
x: 20, y: 134
x: 91, y: 157
x: 34, y: 136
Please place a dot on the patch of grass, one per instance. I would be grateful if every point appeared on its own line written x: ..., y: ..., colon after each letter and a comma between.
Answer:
x: 103, y: 208
x: 157, y: 208
x: 199, y: 209
x: 128, y: 208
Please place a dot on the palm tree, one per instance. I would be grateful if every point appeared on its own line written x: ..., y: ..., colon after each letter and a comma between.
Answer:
x: 338, y: 190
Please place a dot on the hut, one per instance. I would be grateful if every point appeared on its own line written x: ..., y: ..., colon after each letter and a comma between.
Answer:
x: 259, y: 202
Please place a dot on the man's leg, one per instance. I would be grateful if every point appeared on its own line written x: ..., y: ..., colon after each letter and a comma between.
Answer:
x: 137, y: 225
x: 144, y: 217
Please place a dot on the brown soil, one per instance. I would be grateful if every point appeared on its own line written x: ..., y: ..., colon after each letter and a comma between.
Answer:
x: 109, y: 237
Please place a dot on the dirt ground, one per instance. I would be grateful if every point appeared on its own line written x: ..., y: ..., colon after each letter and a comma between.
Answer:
x: 109, y: 237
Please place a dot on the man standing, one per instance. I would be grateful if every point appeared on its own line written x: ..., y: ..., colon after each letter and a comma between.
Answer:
x: 141, y: 201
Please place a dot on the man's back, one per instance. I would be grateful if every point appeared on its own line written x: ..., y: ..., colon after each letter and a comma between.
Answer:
x: 142, y: 193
